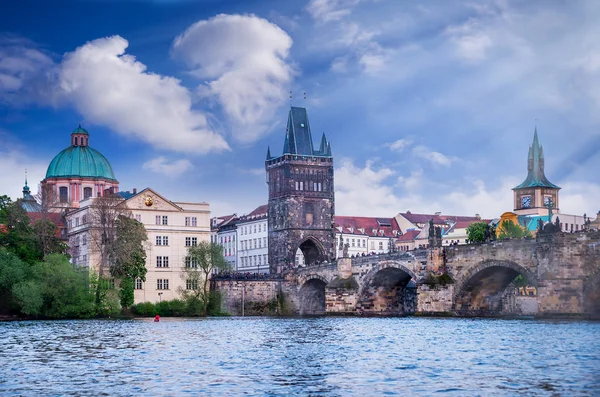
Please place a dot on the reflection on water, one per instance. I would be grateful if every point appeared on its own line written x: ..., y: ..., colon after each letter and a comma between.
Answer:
x: 317, y: 356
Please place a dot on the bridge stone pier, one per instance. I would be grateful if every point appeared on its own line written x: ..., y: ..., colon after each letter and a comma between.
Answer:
x: 467, y: 280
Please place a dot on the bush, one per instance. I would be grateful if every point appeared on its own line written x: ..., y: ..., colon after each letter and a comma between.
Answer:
x: 144, y: 309
x: 442, y: 279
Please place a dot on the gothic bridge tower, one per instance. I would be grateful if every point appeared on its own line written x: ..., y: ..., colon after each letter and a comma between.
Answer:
x: 301, y: 197
x: 536, y: 193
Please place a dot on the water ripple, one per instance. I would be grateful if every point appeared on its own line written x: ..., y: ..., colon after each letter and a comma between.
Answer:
x: 317, y: 356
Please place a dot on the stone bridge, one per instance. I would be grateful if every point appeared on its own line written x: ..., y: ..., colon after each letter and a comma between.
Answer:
x: 562, y: 269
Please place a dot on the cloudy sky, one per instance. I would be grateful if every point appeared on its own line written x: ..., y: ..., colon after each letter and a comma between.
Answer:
x: 429, y: 105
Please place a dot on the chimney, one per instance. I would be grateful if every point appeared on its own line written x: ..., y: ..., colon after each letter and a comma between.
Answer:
x: 438, y: 213
x: 477, y: 216
x: 135, y: 190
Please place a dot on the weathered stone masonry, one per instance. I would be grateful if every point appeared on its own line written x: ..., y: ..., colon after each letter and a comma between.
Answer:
x: 565, y: 268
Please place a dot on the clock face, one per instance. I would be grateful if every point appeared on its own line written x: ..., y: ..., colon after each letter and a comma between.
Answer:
x: 148, y: 201
x: 526, y: 201
x: 547, y: 200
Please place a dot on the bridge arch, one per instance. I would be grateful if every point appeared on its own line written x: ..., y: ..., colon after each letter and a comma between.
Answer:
x: 385, y: 290
x: 312, y: 250
x: 481, y: 289
x: 312, y: 295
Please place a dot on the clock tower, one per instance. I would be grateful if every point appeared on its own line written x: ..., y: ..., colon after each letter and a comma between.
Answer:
x: 536, y: 193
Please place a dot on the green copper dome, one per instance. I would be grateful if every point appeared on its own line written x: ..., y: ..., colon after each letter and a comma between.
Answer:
x: 80, y: 130
x: 80, y: 162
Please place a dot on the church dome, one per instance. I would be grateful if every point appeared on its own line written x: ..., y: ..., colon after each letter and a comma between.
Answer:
x: 80, y: 161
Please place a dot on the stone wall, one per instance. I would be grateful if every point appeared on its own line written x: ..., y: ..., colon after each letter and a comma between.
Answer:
x: 565, y: 268
x: 520, y: 305
x: 250, y: 298
x: 435, y: 299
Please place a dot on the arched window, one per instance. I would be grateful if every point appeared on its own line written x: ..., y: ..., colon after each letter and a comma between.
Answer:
x: 87, y: 192
x: 64, y: 194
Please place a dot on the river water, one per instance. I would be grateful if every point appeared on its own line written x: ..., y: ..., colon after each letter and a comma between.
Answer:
x: 314, y: 356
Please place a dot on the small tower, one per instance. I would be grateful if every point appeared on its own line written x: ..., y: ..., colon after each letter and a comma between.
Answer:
x: 301, y: 197
x: 536, y: 193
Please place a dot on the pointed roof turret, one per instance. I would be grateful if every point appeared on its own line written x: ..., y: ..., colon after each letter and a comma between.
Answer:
x: 535, y: 167
x: 268, y: 152
x: 298, y: 138
x: 323, y: 146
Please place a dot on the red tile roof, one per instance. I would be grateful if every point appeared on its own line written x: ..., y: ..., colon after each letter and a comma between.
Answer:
x: 383, y: 227
x: 423, y: 218
x: 53, y: 217
x: 466, y: 224
x: 260, y: 211
x: 409, y: 235
x: 437, y: 219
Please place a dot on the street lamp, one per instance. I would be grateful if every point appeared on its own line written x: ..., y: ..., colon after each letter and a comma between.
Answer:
x: 160, y: 297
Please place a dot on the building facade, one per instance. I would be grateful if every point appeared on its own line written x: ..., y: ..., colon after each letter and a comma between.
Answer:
x: 366, y: 235
x: 172, y: 227
x: 301, y: 197
x: 253, y: 244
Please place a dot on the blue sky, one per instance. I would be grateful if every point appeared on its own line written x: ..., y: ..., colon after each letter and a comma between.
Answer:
x: 429, y: 106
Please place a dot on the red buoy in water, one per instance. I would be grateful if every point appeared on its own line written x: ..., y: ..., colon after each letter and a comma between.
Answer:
x: 156, y: 318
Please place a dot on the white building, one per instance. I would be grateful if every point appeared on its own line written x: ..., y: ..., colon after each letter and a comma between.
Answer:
x: 253, y: 237
x: 366, y: 235
x: 172, y: 227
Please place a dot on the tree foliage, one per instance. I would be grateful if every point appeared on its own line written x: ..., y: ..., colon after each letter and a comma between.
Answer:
x: 120, y: 240
x: 204, y: 259
x: 476, y: 232
x: 510, y: 230
x: 53, y: 288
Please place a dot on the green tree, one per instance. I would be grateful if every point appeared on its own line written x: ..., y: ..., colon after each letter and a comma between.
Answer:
x: 510, y: 230
x: 128, y: 257
x: 28, y: 295
x: 19, y: 237
x: 203, y: 260
x: 12, y: 272
x: 120, y: 242
x: 5, y: 202
x: 476, y: 232
x: 46, y: 235
x: 66, y: 289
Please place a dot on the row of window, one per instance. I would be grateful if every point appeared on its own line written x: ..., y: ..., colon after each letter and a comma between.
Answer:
x: 163, y: 261
x: 316, y: 186
x: 253, y: 229
x: 253, y: 260
x: 189, y: 241
x: 163, y: 284
x: 83, y: 240
x: 357, y: 243
x: 164, y: 220
x: 63, y: 193
x: 75, y: 222
x: 253, y: 243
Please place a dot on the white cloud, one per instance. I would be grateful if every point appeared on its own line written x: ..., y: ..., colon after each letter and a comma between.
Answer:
x: 363, y: 191
x: 163, y: 166
x: 471, y: 41
x: 577, y: 198
x: 330, y: 10
x: 411, y: 182
x: 24, y: 70
x: 400, y: 145
x: 109, y: 87
x: 243, y: 59
x: 369, y: 191
x: 435, y: 158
